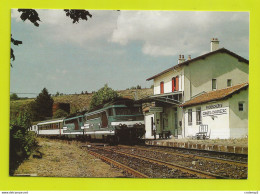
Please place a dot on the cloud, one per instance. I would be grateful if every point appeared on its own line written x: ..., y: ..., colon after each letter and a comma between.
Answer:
x: 169, y: 33
x: 160, y: 33
x: 55, y: 26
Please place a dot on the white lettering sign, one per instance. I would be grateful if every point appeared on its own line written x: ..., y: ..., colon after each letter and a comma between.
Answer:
x: 220, y: 111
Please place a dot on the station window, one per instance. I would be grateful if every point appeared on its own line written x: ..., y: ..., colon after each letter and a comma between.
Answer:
x: 198, y: 115
x: 189, y: 116
x: 229, y: 83
x: 241, y: 106
x: 214, y: 84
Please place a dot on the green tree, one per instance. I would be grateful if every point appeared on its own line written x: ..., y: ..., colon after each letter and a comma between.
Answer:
x: 42, y: 107
x: 14, y: 96
x: 102, y: 96
x: 138, y: 87
x: 60, y: 113
x: 22, y: 141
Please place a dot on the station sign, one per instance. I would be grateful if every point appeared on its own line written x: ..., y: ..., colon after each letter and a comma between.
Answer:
x: 219, y: 111
x: 214, y: 106
x: 156, y: 109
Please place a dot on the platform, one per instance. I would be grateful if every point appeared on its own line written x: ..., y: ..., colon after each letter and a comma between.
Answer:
x: 211, y: 145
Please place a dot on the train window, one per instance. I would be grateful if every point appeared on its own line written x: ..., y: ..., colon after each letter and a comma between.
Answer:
x: 128, y: 111
x: 104, y: 120
x: 94, y: 116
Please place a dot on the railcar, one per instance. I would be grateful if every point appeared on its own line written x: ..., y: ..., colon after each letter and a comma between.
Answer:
x: 50, y: 127
x: 72, y: 126
x: 118, y: 121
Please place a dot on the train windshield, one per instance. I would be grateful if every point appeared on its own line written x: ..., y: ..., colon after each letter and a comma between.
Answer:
x: 128, y: 111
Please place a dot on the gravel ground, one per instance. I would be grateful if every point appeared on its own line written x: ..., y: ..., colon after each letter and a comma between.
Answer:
x: 65, y: 159
x: 225, y: 170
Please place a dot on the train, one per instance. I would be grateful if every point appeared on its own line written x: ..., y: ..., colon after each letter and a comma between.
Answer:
x: 118, y: 121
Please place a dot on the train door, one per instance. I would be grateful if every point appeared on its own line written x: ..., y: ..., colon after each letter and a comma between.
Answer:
x: 104, y: 120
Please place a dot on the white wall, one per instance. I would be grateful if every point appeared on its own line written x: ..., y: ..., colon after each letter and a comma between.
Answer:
x: 148, y: 127
x: 167, y: 79
x: 218, y: 125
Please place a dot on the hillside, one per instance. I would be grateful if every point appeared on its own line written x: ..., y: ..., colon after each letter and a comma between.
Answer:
x: 80, y: 102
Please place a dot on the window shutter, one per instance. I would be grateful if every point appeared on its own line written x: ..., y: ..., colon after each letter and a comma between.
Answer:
x: 162, y: 87
x: 177, y: 83
x: 173, y: 84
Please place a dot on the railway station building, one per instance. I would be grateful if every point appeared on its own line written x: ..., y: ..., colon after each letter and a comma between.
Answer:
x: 206, y: 97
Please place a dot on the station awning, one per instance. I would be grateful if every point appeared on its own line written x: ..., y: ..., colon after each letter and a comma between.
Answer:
x: 173, y: 98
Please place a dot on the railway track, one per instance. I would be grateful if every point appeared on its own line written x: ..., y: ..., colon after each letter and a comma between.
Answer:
x: 188, y: 155
x: 213, y: 154
x: 127, y: 169
x: 188, y: 172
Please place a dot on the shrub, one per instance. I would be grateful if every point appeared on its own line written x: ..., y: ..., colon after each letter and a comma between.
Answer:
x: 102, y: 96
x: 60, y: 113
x: 22, y: 143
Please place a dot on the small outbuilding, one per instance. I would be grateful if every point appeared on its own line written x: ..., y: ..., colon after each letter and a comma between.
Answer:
x: 219, y: 114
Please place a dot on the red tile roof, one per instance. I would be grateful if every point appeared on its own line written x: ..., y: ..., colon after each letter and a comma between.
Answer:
x: 221, y: 50
x: 215, y: 95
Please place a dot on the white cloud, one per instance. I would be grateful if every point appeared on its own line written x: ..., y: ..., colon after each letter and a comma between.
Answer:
x: 168, y: 33
x: 161, y: 33
x: 60, y: 28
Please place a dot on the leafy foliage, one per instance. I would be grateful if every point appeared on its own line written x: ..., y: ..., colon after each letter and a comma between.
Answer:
x: 22, y: 141
x: 60, y: 113
x: 42, y: 107
x: 77, y: 14
x: 137, y: 87
x: 31, y: 15
x: 14, y: 96
x: 16, y: 43
x: 102, y: 96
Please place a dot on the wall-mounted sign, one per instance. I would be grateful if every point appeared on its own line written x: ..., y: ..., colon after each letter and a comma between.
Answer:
x: 156, y: 109
x: 214, y: 106
x: 219, y: 111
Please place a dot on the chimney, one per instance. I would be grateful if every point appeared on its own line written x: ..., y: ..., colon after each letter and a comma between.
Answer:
x: 214, y: 44
x: 181, y: 59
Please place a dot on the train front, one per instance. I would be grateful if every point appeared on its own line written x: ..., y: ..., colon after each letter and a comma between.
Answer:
x: 128, y: 122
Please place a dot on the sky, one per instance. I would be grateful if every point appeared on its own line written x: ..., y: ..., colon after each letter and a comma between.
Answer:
x: 118, y: 48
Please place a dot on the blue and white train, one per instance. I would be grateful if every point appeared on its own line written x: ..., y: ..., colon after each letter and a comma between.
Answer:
x: 119, y: 121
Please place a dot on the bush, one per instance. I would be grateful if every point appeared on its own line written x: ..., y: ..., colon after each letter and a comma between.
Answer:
x: 22, y: 143
x: 102, y: 96
x: 60, y: 113
x: 14, y: 97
